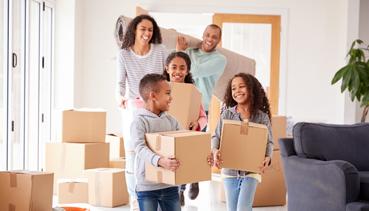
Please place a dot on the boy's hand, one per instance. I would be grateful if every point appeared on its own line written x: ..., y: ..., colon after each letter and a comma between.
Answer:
x: 193, y: 125
x: 217, y: 158
x: 265, y: 164
x: 169, y: 163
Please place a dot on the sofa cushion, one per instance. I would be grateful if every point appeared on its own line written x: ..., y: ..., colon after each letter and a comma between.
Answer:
x: 333, y: 142
x: 364, y: 185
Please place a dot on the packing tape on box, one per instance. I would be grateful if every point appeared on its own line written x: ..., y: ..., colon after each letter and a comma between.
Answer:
x: 158, y: 143
x: 244, y: 130
x: 71, y: 187
x: 159, y: 176
x: 13, y: 180
x: 11, y: 207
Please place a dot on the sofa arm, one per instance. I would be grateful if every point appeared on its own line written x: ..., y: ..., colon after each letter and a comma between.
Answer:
x: 320, y: 185
x: 287, y: 147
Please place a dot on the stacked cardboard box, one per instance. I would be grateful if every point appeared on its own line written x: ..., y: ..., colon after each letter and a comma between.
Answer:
x: 25, y: 190
x: 82, y: 135
x: 116, y: 143
x: 191, y: 148
x: 105, y: 187
x: 73, y: 191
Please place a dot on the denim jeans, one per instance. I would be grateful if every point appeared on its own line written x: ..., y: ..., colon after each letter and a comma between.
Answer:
x: 167, y: 198
x: 240, y: 193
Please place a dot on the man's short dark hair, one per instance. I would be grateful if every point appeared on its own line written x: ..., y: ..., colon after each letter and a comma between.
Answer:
x: 214, y: 26
x: 150, y: 83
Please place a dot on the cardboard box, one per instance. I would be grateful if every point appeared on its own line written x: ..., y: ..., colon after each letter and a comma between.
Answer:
x: 191, y: 148
x: 107, y: 187
x: 118, y: 163
x: 279, y: 129
x: 272, y: 190
x: 69, y: 160
x: 214, y: 114
x: 185, y: 105
x: 116, y: 146
x: 25, y: 190
x: 83, y: 126
x: 243, y: 145
x: 72, y: 191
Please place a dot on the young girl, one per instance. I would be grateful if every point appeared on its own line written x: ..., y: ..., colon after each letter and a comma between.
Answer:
x: 244, y: 99
x: 177, y: 69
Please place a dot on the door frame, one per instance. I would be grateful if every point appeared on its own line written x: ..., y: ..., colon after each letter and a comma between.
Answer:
x: 275, y: 21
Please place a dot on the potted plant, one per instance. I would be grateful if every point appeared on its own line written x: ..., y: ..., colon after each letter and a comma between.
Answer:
x: 355, y: 75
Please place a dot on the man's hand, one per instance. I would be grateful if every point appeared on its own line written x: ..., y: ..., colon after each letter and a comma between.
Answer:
x: 122, y: 103
x: 181, y: 43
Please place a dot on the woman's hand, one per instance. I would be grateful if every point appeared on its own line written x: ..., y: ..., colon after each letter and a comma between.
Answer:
x: 122, y: 103
x: 169, y: 163
x: 193, y: 125
x: 265, y: 164
x: 181, y: 43
x: 217, y: 158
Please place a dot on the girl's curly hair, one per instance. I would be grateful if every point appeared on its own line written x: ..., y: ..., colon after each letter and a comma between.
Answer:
x: 130, y: 35
x: 188, y: 79
x: 256, y: 95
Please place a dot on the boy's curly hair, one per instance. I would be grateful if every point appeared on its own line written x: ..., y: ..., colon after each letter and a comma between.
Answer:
x: 256, y: 95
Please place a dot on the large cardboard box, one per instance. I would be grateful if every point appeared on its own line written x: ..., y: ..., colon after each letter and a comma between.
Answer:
x: 83, y: 126
x: 191, y: 148
x: 107, y: 187
x: 185, y: 105
x: 72, y: 191
x: 69, y: 160
x: 279, y: 128
x: 118, y: 163
x: 116, y: 146
x: 272, y: 190
x: 243, y: 145
x: 25, y: 190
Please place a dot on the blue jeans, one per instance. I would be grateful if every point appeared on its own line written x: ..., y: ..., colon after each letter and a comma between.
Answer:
x: 167, y: 198
x: 240, y: 193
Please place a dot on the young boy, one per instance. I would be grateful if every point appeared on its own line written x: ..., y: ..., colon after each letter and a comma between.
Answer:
x: 155, y: 91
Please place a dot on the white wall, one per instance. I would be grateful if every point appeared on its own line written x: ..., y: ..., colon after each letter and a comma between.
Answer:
x: 316, y: 34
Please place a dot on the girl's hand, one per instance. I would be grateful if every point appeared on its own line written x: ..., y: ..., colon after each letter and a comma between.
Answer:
x: 193, y: 125
x: 181, y: 43
x: 169, y: 163
x: 211, y: 159
x: 265, y: 164
x: 217, y: 158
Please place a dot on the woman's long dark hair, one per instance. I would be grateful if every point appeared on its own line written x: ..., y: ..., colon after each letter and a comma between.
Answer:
x: 188, y: 79
x: 130, y: 35
x: 257, y: 98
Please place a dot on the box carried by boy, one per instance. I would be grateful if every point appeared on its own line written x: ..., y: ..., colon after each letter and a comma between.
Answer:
x: 191, y: 148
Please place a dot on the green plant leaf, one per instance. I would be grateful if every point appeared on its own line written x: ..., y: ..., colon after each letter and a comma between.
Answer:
x: 339, y: 74
x: 346, y: 79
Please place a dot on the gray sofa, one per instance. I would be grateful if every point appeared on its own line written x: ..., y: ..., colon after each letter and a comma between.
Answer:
x: 327, y: 167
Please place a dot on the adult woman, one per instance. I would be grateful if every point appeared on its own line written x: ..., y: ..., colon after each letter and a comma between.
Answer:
x: 141, y: 53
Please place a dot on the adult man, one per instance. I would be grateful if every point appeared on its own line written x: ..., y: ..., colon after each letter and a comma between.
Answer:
x: 207, y: 65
